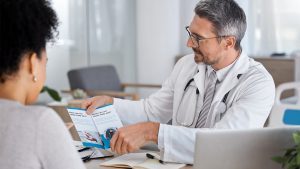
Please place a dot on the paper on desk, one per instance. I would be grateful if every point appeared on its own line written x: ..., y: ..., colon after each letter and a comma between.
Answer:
x: 153, y: 163
x: 99, y: 153
x: 102, y: 153
x: 139, y: 160
x: 127, y: 160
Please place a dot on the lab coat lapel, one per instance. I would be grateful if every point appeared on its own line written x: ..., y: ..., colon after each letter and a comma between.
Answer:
x: 231, y: 80
x: 178, y: 94
x: 199, y: 79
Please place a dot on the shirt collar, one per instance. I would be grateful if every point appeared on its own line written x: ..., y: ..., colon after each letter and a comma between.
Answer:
x: 209, y: 69
x: 221, y: 74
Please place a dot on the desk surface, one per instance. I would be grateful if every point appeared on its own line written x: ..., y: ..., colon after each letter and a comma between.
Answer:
x: 95, y: 163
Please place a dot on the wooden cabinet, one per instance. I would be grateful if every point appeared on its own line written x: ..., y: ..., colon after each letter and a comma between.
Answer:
x: 281, y: 69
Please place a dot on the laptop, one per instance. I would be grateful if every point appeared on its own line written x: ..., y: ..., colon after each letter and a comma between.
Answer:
x: 242, y: 149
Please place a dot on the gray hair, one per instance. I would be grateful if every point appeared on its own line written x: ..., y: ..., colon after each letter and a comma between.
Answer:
x: 227, y: 17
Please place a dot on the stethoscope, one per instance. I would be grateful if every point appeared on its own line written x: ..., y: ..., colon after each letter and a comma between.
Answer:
x: 223, y: 105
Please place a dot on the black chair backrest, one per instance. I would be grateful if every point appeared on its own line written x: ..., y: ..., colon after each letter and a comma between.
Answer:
x: 102, y: 77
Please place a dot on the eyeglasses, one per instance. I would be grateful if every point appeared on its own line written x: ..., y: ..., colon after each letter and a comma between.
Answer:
x: 196, y: 39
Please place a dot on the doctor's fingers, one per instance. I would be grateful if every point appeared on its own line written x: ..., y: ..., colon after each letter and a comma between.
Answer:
x: 85, y: 103
x: 92, y: 103
x: 124, y: 145
x: 113, y: 141
x: 91, y: 109
x: 124, y: 142
x: 119, y: 145
x: 124, y: 149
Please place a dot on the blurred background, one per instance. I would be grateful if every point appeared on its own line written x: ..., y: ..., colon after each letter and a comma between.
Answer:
x: 143, y: 39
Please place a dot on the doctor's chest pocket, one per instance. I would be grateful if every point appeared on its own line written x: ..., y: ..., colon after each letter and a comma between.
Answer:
x: 220, y: 111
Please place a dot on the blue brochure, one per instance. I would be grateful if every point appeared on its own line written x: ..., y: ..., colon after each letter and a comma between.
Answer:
x: 97, y: 129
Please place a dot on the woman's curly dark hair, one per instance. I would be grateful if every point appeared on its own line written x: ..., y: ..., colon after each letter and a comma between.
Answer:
x: 25, y: 26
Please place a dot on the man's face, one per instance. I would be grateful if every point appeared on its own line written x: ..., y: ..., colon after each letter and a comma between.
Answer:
x: 209, y: 51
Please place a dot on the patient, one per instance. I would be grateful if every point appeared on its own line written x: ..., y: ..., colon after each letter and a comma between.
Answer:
x: 30, y: 136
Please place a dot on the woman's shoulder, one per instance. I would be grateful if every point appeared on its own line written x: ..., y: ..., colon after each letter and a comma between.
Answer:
x: 43, y: 114
x: 24, y: 112
x: 39, y: 109
x: 35, y: 115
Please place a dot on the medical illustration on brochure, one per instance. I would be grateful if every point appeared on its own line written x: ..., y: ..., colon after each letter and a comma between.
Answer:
x: 97, y: 129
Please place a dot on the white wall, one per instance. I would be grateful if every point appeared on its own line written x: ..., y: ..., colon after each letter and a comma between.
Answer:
x: 186, y: 16
x: 78, y: 33
x: 58, y: 53
x: 161, y: 36
x: 245, y: 42
x: 157, y: 38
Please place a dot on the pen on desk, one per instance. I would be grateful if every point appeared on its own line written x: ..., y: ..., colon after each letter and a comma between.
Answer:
x: 88, y: 157
x: 83, y: 149
x: 153, y: 157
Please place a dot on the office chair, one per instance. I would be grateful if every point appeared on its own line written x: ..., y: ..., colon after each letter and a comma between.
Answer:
x: 102, y: 80
x: 285, y: 114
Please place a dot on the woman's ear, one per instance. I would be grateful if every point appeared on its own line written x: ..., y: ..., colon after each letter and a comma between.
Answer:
x: 33, y: 65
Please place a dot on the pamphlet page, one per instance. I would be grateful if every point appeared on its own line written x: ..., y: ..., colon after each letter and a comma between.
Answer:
x: 107, y: 123
x: 97, y: 129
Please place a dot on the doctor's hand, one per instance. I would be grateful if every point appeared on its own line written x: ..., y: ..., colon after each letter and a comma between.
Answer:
x: 92, y: 103
x: 130, y: 138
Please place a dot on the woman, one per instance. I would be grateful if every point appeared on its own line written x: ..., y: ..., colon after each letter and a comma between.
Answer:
x: 30, y: 136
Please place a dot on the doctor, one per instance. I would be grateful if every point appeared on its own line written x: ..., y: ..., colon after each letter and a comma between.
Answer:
x: 217, y: 87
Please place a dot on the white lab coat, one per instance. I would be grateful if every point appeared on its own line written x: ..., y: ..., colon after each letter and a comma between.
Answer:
x: 248, y: 104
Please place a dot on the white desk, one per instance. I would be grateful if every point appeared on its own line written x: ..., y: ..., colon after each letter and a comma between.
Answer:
x: 95, y: 163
